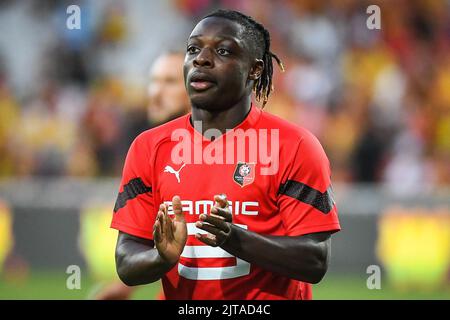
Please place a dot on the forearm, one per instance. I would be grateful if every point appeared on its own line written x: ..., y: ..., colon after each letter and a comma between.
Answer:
x: 138, y: 264
x: 303, y: 258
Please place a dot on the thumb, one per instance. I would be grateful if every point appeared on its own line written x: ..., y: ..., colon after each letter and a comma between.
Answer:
x: 177, y: 208
x: 221, y: 200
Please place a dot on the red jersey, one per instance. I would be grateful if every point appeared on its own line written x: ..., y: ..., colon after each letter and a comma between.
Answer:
x: 290, y: 198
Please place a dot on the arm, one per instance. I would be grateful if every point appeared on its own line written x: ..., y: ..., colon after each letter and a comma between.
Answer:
x: 137, y: 261
x: 142, y: 261
x: 303, y: 258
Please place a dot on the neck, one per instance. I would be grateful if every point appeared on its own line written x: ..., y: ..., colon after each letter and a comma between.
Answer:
x: 222, y: 119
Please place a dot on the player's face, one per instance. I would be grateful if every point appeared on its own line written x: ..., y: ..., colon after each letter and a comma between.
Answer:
x: 217, y: 64
x: 166, y: 91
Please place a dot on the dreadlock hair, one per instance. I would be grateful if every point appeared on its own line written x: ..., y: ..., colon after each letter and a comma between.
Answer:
x: 260, y: 41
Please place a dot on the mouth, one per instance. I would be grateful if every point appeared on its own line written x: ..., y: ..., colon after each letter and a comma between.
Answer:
x: 201, y: 81
x: 201, y: 85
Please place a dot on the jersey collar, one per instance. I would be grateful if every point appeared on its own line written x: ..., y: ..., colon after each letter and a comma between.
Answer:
x: 249, y: 122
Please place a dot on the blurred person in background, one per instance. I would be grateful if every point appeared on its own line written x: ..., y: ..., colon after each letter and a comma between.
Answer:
x: 46, y: 136
x: 167, y: 94
x: 167, y: 100
x: 9, y: 116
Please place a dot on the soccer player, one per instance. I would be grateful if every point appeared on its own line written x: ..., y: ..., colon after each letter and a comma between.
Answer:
x: 167, y: 100
x: 226, y: 230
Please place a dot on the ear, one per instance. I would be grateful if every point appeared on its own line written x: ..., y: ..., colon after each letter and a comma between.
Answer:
x: 256, y: 70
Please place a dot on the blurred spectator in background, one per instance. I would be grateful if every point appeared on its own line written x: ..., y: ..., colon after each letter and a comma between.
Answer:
x: 167, y: 100
x: 166, y: 89
x: 46, y: 134
x: 9, y: 116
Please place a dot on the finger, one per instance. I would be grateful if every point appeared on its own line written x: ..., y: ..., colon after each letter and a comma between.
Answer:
x: 208, y: 239
x: 168, y: 230
x: 215, y: 221
x: 211, y: 229
x: 160, y: 219
x: 221, y: 200
x: 221, y: 213
x: 162, y: 208
x: 177, y: 208
x: 157, y: 231
x: 207, y: 227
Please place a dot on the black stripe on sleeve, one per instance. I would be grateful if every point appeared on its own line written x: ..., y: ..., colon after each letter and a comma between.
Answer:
x: 130, y: 191
x: 321, y: 201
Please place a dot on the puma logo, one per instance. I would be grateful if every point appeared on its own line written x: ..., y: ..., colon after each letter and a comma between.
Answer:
x: 172, y: 170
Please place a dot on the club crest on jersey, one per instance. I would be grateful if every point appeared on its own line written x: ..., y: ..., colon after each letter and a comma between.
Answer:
x: 244, y: 174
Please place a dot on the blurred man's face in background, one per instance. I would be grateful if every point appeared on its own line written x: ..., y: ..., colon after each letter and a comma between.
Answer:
x: 167, y: 94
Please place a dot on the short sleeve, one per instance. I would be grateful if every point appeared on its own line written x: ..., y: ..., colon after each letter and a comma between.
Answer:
x: 305, y: 196
x: 134, y: 207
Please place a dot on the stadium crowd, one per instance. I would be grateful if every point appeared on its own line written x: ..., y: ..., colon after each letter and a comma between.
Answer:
x: 378, y: 100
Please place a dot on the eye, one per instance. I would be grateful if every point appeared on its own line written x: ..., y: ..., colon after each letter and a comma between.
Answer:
x: 192, y: 49
x: 223, y: 52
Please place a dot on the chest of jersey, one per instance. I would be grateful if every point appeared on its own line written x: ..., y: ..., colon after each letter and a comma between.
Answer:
x: 252, y: 196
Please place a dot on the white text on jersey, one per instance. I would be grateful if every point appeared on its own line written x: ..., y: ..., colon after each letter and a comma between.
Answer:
x: 249, y: 208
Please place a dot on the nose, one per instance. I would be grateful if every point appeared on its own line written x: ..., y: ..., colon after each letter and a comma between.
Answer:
x: 154, y: 90
x: 204, y: 59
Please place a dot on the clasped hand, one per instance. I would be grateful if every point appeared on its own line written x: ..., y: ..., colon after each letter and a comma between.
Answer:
x: 170, y: 235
